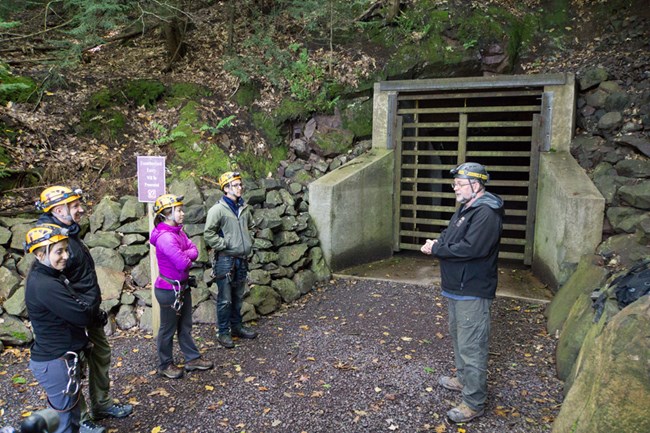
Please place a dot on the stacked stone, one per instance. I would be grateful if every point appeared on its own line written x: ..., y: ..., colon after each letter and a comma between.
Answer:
x: 286, y: 263
x: 613, y: 146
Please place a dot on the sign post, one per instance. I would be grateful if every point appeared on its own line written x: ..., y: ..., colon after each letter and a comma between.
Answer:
x: 151, y: 185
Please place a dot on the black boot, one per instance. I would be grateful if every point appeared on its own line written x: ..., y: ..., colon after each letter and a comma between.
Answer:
x: 243, y: 332
x: 225, y: 340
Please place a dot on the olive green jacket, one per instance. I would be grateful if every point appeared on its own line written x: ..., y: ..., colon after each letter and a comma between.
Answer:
x: 228, y: 233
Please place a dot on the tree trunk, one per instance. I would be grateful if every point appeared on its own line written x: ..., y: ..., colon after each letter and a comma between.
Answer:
x: 174, y: 33
x: 392, y: 10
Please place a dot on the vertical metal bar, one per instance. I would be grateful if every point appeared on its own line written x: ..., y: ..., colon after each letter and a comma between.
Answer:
x: 546, y: 121
x: 397, y: 189
x: 392, y: 118
x: 462, y: 138
x: 531, y: 209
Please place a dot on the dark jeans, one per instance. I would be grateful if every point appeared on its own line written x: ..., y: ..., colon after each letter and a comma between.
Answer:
x: 231, y: 280
x: 469, y: 326
x: 53, y: 376
x: 171, y: 323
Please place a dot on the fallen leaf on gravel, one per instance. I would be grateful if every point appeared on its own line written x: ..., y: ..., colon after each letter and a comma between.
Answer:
x: 304, y: 327
x: 311, y: 358
x: 407, y: 338
x: 439, y: 335
x: 209, y: 387
x: 160, y: 391
x: 262, y: 388
x: 441, y: 428
x: 377, y: 389
x: 276, y: 423
x: 317, y: 394
x: 26, y: 414
x: 249, y: 379
x: 156, y: 429
x: 408, y: 357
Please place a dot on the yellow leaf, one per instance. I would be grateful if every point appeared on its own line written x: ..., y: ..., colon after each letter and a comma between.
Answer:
x: 266, y: 410
x: 156, y: 429
x: 304, y: 327
x: 263, y: 388
x: 26, y: 414
x: 49, y: 93
x: 407, y: 338
x: 311, y: 358
x: 237, y: 367
x: 136, y: 350
x: 209, y: 387
x: 377, y: 389
x: 249, y: 379
x: 461, y: 430
x: 408, y: 357
x: 439, y: 335
x: 317, y: 394
x: 441, y: 428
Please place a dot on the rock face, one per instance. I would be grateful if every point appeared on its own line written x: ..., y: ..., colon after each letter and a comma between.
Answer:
x: 286, y: 262
x: 612, y: 383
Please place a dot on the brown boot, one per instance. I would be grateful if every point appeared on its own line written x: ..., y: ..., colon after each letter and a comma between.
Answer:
x: 198, y: 364
x: 464, y: 413
x: 451, y: 383
x: 171, y: 372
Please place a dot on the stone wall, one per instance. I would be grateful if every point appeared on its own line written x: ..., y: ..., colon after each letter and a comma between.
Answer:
x: 287, y: 260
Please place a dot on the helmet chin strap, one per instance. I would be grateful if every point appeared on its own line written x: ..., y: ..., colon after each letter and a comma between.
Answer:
x: 46, y: 259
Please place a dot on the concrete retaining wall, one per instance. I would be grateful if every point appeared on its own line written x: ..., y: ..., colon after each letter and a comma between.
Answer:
x: 569, y: 220
x: 352, y: 208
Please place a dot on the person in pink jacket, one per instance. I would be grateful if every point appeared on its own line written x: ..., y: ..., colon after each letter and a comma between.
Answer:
x: 175, y: 253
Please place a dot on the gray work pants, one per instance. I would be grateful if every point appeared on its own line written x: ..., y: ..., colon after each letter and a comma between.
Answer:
x: 469, y: 326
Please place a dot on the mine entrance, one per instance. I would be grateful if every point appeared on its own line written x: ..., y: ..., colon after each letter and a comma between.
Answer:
x: 436, y: 130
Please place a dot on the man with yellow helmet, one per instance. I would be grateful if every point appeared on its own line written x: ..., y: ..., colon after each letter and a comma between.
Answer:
x: 227, y: 232
x: 59, y: 321
x: 62, y: 207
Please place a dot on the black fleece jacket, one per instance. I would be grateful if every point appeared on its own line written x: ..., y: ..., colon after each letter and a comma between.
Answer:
x: 468, y: 248
x: 59, y: 321
x: 80, y: 269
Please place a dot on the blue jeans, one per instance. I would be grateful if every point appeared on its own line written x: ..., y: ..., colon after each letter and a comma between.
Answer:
x: 469, y: 326
x: 172, y: 323
x: 231, y: 280
x: 53, y: 376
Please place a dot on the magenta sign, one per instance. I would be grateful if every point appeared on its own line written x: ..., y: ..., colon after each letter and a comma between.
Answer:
x: 151, y: 178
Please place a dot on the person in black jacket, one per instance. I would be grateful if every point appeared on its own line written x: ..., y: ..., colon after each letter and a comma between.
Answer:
x: 62, y: 207
x: 468, y: 250
x: 59, y: 323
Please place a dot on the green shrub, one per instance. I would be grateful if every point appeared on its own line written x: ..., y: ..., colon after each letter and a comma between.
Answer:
x: 265, y: 124
x: 102, y: 123
x: 260, y: 167
x: 143, y: 92
x: 15, y: 88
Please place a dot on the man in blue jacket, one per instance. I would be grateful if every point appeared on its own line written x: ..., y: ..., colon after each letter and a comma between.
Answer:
x: 468, y: 250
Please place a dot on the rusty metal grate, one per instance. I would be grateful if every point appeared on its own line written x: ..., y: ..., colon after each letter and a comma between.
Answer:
x: 437, y: 130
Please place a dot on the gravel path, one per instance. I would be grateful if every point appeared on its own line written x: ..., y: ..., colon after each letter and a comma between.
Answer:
x: 352, y: 356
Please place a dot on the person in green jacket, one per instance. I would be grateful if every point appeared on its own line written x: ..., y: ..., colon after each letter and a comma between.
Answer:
x: 227, y: 232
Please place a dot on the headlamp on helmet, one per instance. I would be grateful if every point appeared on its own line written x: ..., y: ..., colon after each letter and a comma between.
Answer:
x: 471, y: 170
x: 56, y: 195
x: 227, y: 177
x: 41, y: 236
x: 166, y: 201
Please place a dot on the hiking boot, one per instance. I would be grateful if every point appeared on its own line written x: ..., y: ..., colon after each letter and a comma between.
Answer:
x: 244, y: 332
x: 464, y: 413
x: 91, y: 427
x: 198, y: 364
x: 114, y: 411
x: 225, y: 340
x: 171, y: 372
x: 451, y: 383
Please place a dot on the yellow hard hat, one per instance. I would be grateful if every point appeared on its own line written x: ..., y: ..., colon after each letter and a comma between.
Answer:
x: 166, y: 201
x: 47, y: 234
x: 227, y: 177
x: 56, y: 195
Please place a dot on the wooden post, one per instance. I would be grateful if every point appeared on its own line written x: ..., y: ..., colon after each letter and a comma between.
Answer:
x: 153, y: 261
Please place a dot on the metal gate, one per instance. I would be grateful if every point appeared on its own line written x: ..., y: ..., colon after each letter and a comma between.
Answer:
x: 438, y: 130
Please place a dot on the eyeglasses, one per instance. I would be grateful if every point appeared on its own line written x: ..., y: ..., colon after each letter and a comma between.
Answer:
x: 455, y: 185
x: 236, y: 185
